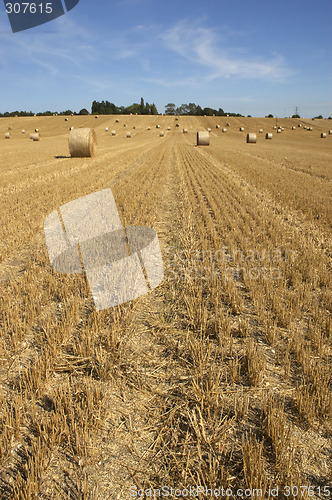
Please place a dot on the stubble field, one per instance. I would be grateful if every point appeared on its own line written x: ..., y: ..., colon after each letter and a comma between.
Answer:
x: 221, y: 376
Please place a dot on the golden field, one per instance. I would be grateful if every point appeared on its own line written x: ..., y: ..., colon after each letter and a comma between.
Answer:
x: 221, y: 376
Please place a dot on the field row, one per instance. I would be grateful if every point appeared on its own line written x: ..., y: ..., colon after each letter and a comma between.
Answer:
x: 220, y: 376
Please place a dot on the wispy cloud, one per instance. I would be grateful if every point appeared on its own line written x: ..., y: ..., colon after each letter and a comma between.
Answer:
x: 67, y: 43
x: 205, y: 47
x: 169, y: 81
x: 132, y: 43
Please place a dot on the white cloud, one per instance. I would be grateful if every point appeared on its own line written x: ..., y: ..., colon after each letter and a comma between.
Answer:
x: 66, y: 43
x: 204, y: 47
x: 169, y: 82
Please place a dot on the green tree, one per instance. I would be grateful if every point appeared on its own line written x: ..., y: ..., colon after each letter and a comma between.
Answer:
x: 199, y: 111
x: 83, y: 111
x: 183, y: 110
x: 192, y: 108
x: 209, y: 112
x: 95, y: 108
x: 170, y: 109
x: 154, y: 110
x: 142, y: 106
x: 134, y: 108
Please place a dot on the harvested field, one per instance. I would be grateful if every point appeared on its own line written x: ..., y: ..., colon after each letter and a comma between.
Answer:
x: 221, y: 376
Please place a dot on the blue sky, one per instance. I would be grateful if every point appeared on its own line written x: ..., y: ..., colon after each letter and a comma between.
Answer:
x: 250, y: 57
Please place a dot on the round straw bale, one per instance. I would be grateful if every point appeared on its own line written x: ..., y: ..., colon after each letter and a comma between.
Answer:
x: 251, y: 138
x: 113, y: 132
x: 157, y: 126
x: 71, y: 128
x: 293, y: 128
x: 37, y: 130
x: 9, y: 128
x: 203, y: 138
x: 149, y: 128
x: 279, y: 131
x: 323, y: 135
x: 7, y: 135
x: 35, y: 137
x: 128, y: 134
x: 96, y: 116
x: 260, y: 130
x: 224, y: 130
x: 82, y: 142
x: 208, y: 129
x: 124, y: 124
x: 274, y: 127
x: 185, y: 131
x: 217, y: 126
x: 241, y: 129
x: 168, y: 128
x: 309, y: 128
x: 66, y: 119
x: 268, y: 135
x: 106, y: 129
x: 117, y: 121
x: 330, y: 132
x: 161, y: 133
x: 228, y: 124
x: 134, y: 127
x: 177, y: 125
x: 299, y: 125
x: 23, y: 131
x: 176, y: 117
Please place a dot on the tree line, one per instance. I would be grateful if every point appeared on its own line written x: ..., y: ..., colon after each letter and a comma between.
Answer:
x: 97, y: 108
x: 196, y: 110
x: 44, y: 113
x: 142, y: 108
x: 109, y: 108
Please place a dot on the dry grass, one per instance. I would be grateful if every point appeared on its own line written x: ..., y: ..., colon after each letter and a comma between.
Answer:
x: 221, y: 376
